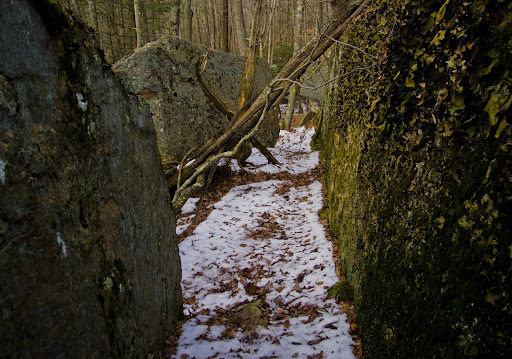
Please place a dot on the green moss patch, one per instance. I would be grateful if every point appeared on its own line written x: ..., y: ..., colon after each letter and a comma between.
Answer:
x: 417, y: 149
x: 341, y: 291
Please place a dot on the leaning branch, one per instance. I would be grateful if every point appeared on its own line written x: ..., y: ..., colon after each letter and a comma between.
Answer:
x: 331, y: 80
x: 273, y: 93
x: 189, y: 187
x: 224, y: 108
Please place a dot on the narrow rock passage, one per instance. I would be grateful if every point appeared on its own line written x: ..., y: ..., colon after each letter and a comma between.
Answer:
x: 257, y: 270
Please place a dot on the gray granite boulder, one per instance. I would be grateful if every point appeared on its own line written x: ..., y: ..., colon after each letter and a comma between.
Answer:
x: 89, y: 265
x: 163, y: 74
x: 315, y: 79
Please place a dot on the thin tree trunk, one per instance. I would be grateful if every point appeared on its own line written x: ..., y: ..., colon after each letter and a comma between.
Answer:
x: 175, y: 18
x: 150, y: 16
x: 187, y: 19
x: 93, y: 16
x: 224, y: 44
x: 270, y: 47
x: 240, y: 26
x: 209, y: 39
x: 297, y: 44
x: 274, y: 92
x: 213, y: 22
x: 145, y: 22
x: 200, y: 27
x: 140, y: 26
x: 249, y: 71
x: 320, y: 20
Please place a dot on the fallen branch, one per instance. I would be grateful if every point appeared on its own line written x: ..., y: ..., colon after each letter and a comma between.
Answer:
x: 189, y: 187
x: 182, y: 164
x: 224, y: 108
x: 273, y: 93
x: 331, y: 80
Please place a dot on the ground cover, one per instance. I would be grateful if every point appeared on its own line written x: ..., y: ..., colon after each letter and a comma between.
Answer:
x: 257, y: 267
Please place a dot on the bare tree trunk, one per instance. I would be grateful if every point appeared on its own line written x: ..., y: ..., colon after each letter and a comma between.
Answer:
x: 297, y: 44
x: 199, y: 31
x: 270, y: 47
x: 224, y: 44
x: 93, y: 16
x: 213, y: 22
x: 320, y: 20
x: 153, y: 15
x: 175, y: 18
x: 273, y: 93
x: 209, y: 28
x: 140, y: 24
x: 187, y: 19
x: 246, y: 83
x: 240, y: 26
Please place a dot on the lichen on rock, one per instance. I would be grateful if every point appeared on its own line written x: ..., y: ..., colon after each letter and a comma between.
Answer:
x: 418, y: 175
x: 163, y: 74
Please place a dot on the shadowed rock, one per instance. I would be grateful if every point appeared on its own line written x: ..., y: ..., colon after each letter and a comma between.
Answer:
x: 89, y: 265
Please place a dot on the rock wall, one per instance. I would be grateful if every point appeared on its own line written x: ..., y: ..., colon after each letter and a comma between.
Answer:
x: 89, y: 265
x: 163, y: 74
x: 417, y: 146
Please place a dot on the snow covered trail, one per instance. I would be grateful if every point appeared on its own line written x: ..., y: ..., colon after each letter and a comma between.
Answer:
x: 257, y: 270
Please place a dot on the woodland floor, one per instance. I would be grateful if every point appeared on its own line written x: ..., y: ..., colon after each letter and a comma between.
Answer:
x: 257, y: 264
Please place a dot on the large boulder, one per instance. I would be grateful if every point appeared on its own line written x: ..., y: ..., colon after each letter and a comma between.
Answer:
x: 163, y: 74
x: 89, y: 265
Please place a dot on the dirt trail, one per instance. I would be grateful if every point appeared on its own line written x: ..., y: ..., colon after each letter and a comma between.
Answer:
x: 256, y: 270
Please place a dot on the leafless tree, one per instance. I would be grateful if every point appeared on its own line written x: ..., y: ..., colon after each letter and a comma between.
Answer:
x: 140, y: 23
x: 297, y: 44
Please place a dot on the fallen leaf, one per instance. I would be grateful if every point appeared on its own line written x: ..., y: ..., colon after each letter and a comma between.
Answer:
x: 314, y: 342
x: 316, y: 356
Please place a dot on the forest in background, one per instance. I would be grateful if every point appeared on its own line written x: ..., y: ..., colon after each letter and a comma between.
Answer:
x: 124, y: 25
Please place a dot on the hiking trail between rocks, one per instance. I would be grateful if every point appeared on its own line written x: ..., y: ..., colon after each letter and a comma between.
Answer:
x: 257, y: 269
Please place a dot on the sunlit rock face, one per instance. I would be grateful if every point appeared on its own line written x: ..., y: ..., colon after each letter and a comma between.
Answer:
x: 89, y: 265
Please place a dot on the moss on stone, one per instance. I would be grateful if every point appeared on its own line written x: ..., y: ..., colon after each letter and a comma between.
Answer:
x: 342, y: 291
x: 418, y: 176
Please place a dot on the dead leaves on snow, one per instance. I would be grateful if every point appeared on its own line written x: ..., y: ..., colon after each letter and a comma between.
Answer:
x: 249, y: 315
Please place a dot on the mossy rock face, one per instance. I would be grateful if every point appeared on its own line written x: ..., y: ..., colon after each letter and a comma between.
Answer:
x: 341, y: 291
x: 417, y: 143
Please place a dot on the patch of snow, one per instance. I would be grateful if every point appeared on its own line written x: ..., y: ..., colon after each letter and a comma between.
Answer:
x: 190, y: 205
x: 283, y: 107
x: 82, y: 103
x: 264, y: 237
x: 293, y: 151
x: 3, y: 164
x: 62, y: 245
x: 182, y: 224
